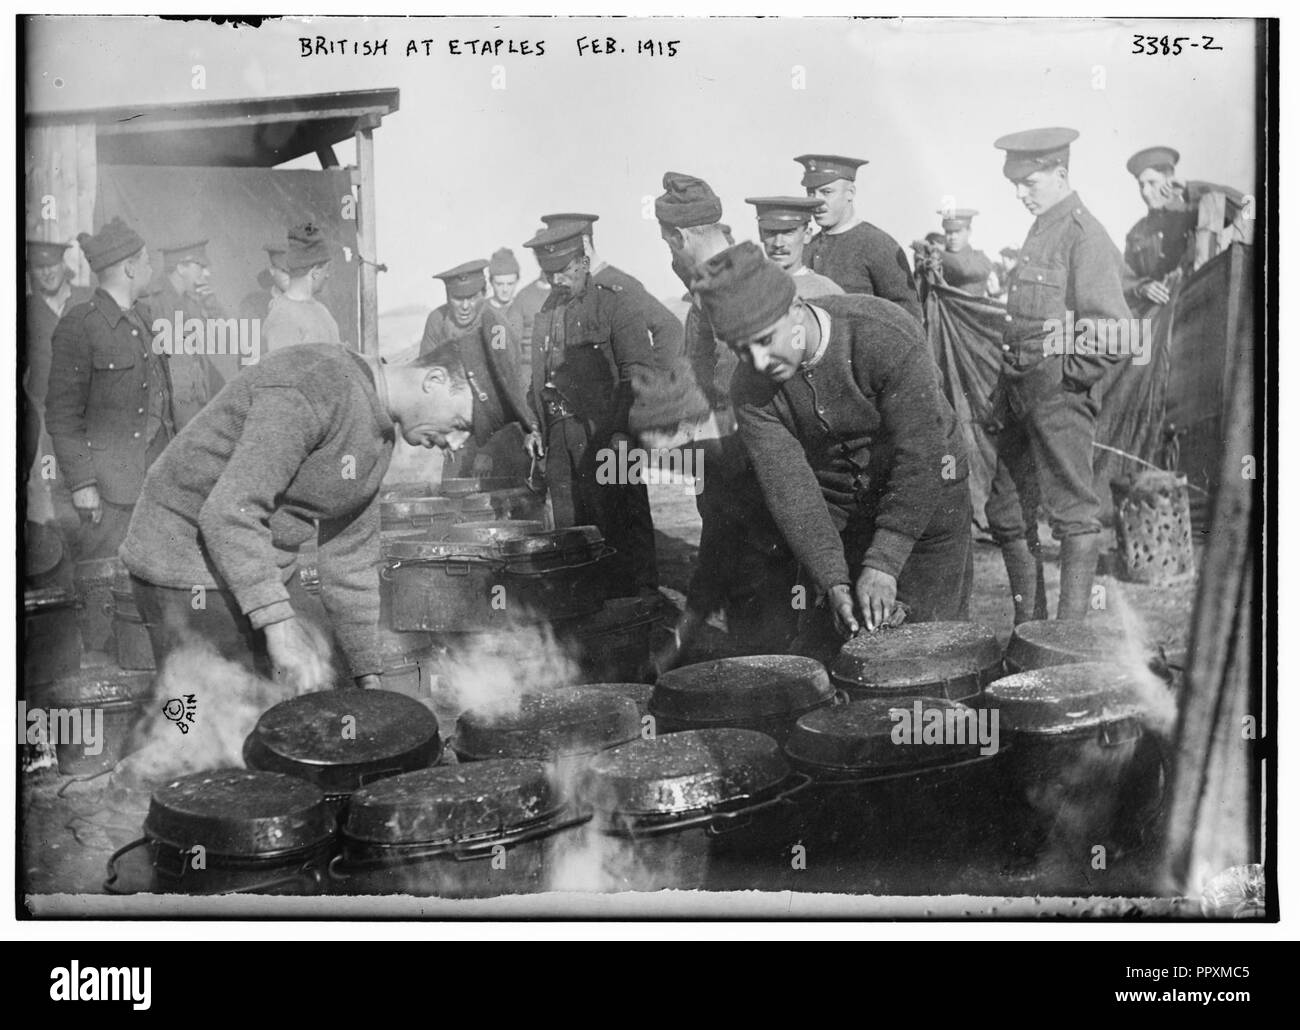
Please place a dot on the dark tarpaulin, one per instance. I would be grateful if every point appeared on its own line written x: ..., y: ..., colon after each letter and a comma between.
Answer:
x: 238, y: 210
x: 965, y: 335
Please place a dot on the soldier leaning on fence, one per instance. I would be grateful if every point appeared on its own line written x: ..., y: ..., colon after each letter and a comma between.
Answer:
x: 108, y: 409
x: 1044, y: 409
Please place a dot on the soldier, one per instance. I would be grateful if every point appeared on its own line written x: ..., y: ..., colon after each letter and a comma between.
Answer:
x: 256, y: 476
x: 297, y: 316
x: 1004, y: 268
x: 1044, y: 410
x: 590, y: 346
x: 665, y: 327
x: 1158, y: 244
x: 857, y: 255
x: 273, y: 282
x: 52, y: 295
x: 858, y: 453
x: 466, y: 287
x: 784, y: 231
x: 964, y: 268
x: 109, y: 405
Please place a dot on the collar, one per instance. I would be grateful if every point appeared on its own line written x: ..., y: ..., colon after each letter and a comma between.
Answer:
x: 1059, y: 211
x: 373, y: 367
x: 107, y: 306
x: 824, y: 325
x: 59, y: 301
x: 852, y: 223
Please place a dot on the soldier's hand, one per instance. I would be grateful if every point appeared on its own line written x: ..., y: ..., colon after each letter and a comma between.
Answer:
x: 87, y: 502
x: 1154, y: 291
x: 533, y: 445
x: 296, y: 656
x: 876, y: 591
x: 370, y: 681
x: 840, y: 602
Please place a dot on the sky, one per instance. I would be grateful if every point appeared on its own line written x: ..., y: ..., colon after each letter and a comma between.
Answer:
x: 466, y: 166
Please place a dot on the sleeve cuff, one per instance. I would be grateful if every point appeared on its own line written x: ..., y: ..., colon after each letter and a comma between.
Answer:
x: 889, y: 551
x: 276, y: 611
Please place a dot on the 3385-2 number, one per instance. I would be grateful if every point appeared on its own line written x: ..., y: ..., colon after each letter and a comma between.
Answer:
x: 1170, y: 45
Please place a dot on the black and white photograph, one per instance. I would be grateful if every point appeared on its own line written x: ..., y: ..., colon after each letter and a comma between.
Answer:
x: 620, y: 468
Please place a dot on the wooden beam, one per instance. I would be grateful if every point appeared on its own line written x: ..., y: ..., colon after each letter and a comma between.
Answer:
x: 367, y: 241
x: 327, y: 158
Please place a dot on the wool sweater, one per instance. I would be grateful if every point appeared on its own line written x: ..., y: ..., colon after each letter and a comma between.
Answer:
x: 863, y: 437
x: 865, y: 259
x: 298, y: 438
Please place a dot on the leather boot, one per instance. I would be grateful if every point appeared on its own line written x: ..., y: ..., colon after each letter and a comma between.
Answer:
x: 1078, y: 563
x: 1025, y: 574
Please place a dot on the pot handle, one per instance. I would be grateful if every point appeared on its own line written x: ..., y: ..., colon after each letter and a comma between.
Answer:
x: 379, y: 774
x: 1117, y: 734
x: 308, y: 871
x: 840, y: 697
x: 113, y: 859
x: 605, y: 552
x: 730, y: 822
x: 482, y: 851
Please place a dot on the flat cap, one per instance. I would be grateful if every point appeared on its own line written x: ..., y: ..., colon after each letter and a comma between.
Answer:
x: 819, y: 169
x: 552, y: 220
x: 557, y: 246
x: 957, y: 218
x: 307, y: 248
x: 178, y: 253
x: 687, y: 201
x: 503, y: 262
x: 41, y: 253
x: 741, y: 292
x: 783, y: 212
x: 1035, y: 149
x: 1150, y: 158
x: 465, y: 280
x: 114, y: 242
x: 1009, y: 252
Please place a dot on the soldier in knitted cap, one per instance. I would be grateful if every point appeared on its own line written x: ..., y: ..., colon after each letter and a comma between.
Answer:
x: 1044, y: 410
x: 185, y: 293
x: 109, y: 405
x: 964, y: 268
x: 297, y: 316
x: 857, y: 255
x: 855, y: 447
x: 272, y: 282
x: 590, y: 348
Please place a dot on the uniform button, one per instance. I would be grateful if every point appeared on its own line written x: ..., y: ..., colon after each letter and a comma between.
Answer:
x: 110, y: 364
x: 1040, y: 278
x: 136, y: 435
x: 144, y: 386
x: 1006, y: 346
x: 1006, y: 318
x: 135, y: 332
x: 139, y: 411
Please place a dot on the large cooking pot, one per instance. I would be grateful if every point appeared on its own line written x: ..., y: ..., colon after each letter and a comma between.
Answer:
x: 679, y: 796
x: 462, y: 486
x: 117, y: 697
x: 459, y: 831
x: 445, y: 587
x: 562, y: 724
x: 953, y: 660
x: 492, y: 531
x: 895, y: 772
x: 234, y: 830
x: 407, y: 663
x: 51, y: 634
x: 132, y: 646
x: 341, y: 740
x: 1081, y: 768
x: 94, y: 580
x: 638, y: 693
x: 766, y: 693
x: 1049, y: 642
x: 613, y: 643
x: 402, y: 511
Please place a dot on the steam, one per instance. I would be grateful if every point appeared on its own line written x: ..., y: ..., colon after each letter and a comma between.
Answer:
x: 489, y: 674
x: 1133, y: 652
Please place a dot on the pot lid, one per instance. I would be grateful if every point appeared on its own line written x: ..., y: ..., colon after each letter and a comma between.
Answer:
x: 239, y: 812
x: 403, y: 508
x: 550, y: 726
x: 487, y: 532
x: 915, y: 656
x: 1065, y: 699
x: 44, y: 548
x: 98, y: 685
x: 460, y: 486
x: 638, y: 693
x: 338, y: 739
x: 882, y: 736
x: 574, y: 542
x: 451, y: 802
x: 728, y: 690
x: 1038, y: 645
x: 47, y: 598
x: 678, y: 773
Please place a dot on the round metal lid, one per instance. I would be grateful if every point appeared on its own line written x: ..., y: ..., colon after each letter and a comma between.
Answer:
x: 677, y: 773
x: 1039, y: 645
x: 461, y: 486
x: 1065, y: 699
x: 882, y: 736
x: 550, y: 726
x: 338, y: 739
x: 488, y: 532
x: 638, y: 693
x: 917, y: 658
x: 47, y: 599
x: 451, y: 802
x: 574, y: 543
x: 98, y: 686
x: 239, y: 812
x: 745, y: 689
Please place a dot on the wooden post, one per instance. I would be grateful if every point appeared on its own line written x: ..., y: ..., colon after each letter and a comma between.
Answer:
x: 366, y: 235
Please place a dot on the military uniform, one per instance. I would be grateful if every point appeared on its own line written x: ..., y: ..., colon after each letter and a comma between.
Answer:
x: 195, y: 378
x: 587, y: 348
x: 1045, y: 407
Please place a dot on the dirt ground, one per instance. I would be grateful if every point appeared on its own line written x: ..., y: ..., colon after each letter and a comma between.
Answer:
x: 70, y: 828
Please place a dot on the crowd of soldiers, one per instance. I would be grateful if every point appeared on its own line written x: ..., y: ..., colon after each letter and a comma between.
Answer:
x: 834, y: 467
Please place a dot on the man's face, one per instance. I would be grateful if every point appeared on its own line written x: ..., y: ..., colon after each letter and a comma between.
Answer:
x: 1156, y: 189
x: 49, y: 279
x: 957, y: 240
x: 785, y: 246
x: 139, y: 273
x: 837, y: 202
x: 504, y: 286
x: 441, y: 415
x: 778, y: 350
x: 1042, y: 189
x: 572, y: 277
x: 463, y: 309
x: 193, y: 274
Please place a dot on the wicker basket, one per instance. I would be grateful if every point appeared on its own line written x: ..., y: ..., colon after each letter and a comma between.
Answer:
x: 1153, y: 528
